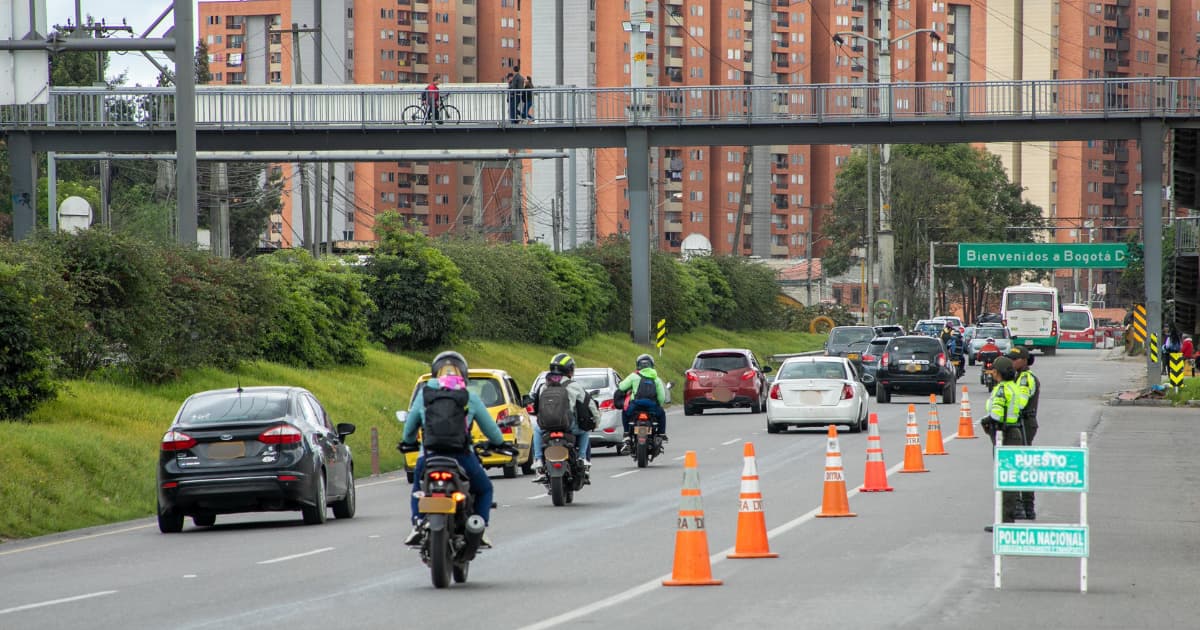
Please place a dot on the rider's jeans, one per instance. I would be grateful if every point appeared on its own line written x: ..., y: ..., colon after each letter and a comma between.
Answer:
x: 641, y: 404
x: 582, y: 442
x: 481, y: 486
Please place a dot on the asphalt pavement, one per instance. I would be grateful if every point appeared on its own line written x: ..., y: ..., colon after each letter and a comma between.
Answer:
x: 916, y: 557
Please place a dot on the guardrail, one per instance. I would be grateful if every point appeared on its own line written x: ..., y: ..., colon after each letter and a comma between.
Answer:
x: 374, y: 106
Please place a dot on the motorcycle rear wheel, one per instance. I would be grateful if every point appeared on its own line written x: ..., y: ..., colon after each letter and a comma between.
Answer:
x: 643, y: 455
x: 557, y: 491
x: 440, y: 562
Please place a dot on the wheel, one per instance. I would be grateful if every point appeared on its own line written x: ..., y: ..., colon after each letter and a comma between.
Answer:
x: 460, y: 572
x: 169, y: 521
x: 510, y: 469
x: 558, y: 494
x: 527, y: 466
x: 643, y: 455
x: 439, y: 558
x: 450, y: 114
x: 948, y: 395
x: 882, y: 395
x: 316, y: 513
x: 1049, y: 351
x: 688, y: 410
x: 207, y: 519
x: 773, y: 428
x: 413, y: 113
x: 346, y: 507
x: 864, y: 424
x: 757, y: 406
x: 408, y: 474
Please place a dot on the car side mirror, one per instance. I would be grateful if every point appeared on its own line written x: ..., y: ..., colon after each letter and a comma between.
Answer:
x: 527, y: 400
x: 510, y: 421
x: 670, y: 385
x: 401, y: 416
x: 344, y: 429
x: 767, y: 368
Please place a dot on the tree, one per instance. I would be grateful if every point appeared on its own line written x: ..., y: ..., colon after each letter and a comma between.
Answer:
x: 25, y: 374
x: 948, y: 193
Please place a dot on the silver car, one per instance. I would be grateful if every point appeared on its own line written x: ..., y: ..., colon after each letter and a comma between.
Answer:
x: 601, y: 383
x: 998, y: 334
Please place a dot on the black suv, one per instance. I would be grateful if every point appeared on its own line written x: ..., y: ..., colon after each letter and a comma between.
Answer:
x: 915, y: 365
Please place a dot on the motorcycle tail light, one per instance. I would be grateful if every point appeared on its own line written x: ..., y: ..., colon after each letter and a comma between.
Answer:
x: 458, y: 496
x: 847, y: 392
x: 440, y: 475
x: 558, y: 465
x: 775, y: 395
x: 556, y: 434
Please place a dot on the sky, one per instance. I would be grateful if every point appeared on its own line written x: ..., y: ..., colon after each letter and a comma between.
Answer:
x: 139, y: 14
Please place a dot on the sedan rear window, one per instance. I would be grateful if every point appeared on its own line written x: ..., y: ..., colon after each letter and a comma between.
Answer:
x: 843, y: 336
x: 812, y: 369
x: 592, y: 381
x: 721, y: 362
x: 909, y: 346
x: 244, y: 407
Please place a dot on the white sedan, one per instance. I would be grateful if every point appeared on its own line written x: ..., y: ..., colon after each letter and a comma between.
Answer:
x: 816, y: 391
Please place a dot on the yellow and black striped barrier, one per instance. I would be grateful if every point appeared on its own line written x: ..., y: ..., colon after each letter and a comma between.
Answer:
x: 1138, y: 323
x: 660, y: 338
x: 1175, y: 369
x: 1153, y: 347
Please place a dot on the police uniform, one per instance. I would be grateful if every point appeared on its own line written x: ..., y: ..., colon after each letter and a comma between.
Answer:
x: 1028, y: 381
x: 1004, y: 406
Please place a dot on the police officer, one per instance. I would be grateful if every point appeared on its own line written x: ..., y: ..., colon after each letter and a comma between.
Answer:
x: 1027, y: 381
x: 1004, y: 418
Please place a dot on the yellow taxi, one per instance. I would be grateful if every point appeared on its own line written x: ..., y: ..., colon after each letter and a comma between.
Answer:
x: 500, y: 393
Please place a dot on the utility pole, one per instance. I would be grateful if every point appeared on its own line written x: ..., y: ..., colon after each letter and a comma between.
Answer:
x: 887, y: 243
x: 518, y: 231
x: 307, y: 224
x: 870, y: 297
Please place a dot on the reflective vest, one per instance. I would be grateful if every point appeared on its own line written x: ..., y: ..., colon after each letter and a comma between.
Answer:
x: 1006, y: 402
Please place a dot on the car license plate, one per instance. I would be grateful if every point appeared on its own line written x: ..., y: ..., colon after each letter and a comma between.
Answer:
x: 1029, y: 342
x: 956, y: 362
x: 226, y: 450
x: 641, y: 429
x: 853, y: 356
x: 721, y: 394
x: 436, y: 505
x: 912, y: 367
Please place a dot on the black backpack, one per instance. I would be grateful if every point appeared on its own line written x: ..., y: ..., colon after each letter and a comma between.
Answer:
x: 554, y: 410
x: 583, y: 414
x: 445, y: 428
x: 647, y: 390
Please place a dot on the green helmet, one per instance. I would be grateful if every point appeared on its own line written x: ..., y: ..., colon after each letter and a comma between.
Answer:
x: 562, y: 363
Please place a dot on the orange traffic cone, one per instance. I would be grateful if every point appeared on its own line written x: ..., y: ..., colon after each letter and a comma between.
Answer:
x: 876, y: 476
x: 913, y: 462
x: 966, y: 428
x: 933, y: 432
x: 691, y: 567
x: 835, y: 502
x: 752, y: 525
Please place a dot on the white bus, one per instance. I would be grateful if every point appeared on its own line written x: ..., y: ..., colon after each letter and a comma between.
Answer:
x: 1031, y: 313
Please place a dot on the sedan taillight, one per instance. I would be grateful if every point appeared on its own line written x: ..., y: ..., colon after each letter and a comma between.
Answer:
x: 749, y: 374
x: 847, y: 392
x: 775, y: 395
x: 606, y: 404
x: 941, y: 359
x: 691, y: 376
x: 177, y: 441
x: 281, y: 434
x: 884, y: 359
x: 867, y: 358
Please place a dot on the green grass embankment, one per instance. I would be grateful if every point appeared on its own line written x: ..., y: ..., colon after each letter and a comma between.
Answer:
x: 89, y: 457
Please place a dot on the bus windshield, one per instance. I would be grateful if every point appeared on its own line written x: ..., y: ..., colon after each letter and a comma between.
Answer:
x: 1030, y: 302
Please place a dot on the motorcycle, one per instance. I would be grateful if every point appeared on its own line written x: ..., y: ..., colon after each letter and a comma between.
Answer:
x: 565, y: 474
x: 987, y: 376
x: 646, y: 444
x: 453, y: 530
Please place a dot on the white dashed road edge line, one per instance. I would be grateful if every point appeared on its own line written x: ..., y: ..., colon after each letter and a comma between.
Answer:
x: 296, y: 555
x: 54, y: 602
x: 627, y: 472
x: 733, y: 441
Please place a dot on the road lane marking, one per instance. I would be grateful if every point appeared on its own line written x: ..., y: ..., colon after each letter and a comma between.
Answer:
x: 678, y: 458
x: 656, y: 583
x: 627, y: 472
x: 733, y: 441
x: 77, y: 539
x: 538, y: 496
x: 296, y: 555
x: 54, y: 602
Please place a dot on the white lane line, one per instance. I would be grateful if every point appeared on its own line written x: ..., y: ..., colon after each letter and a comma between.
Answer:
x: 71, y: 540
x: 296, y: 555
x: 54, y: 602
x: 733, y: 441
x: 678, y: 458
x: 656, y: 583
x: 627, y: 472
x: 537, y: 496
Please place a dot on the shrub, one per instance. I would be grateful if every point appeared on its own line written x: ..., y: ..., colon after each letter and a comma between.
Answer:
x: 712, y: 289
x: 25, y: 377
x: 754, y: 290
x: 512, y: 287
x: 321, y: 315
x: 581, y: 298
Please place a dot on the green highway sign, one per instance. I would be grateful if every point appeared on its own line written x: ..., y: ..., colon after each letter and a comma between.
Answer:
x: 1064, y: 541
x: 1043, y: 255
x: 1030, y: 468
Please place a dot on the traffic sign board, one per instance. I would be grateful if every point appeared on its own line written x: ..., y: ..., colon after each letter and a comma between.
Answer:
x: 1043, y: 255
x: 1153, y: 347
x: 1138, y: 323
x: 1064, y: 541
x: 1175, y: 368
x: 1031, y: 468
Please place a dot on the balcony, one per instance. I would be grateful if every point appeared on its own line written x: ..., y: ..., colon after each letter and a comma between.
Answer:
x: 671, y: 186
x: 672, y: 226
x: 420, y: 27
x: 674, y: 60
x: 1121, y: 200
x: 421, y: 5
x: 856, y: 8
x: 857, y: 28
x: 1123, y: 45
x: 1123, y: 21
x: 674, y: 41
x: 779, y: 250
x: 779, y: 43
x: 1121, y: 154
x: 421, y: 68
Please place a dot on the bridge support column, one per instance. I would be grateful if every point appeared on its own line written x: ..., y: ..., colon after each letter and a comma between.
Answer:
x: 24, y: 184
x: 1151, y: 142
x: 637, y: 148
x: 185, y: 125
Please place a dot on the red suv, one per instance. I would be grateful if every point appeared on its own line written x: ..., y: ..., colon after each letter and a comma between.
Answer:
x: 728, y: 378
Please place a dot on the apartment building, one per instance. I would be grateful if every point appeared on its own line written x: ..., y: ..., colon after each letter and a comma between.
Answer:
x: 375, y: 42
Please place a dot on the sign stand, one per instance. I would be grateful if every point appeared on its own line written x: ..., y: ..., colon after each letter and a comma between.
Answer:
x: 1030, y: 468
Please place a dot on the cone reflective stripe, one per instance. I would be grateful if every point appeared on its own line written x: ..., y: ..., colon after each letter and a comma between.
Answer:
x: 913, y: 462
x: 933, y: 432
x: 875, y: 479
x: 835, y: 501
x: 691, y: 567
x: 752, y: 524
x: 966, y: 427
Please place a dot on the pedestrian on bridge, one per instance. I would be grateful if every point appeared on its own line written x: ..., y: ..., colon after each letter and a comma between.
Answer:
x: 516, y: 91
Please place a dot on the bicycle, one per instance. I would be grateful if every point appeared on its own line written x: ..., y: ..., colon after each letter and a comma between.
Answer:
x: 421, y: 114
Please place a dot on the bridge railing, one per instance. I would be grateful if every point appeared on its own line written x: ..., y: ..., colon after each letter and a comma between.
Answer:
x: 374, y: 106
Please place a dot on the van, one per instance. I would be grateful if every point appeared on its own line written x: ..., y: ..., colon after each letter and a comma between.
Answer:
x: 1077, y: 326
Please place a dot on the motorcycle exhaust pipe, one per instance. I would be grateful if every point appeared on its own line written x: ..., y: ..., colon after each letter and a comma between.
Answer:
x: 475, y: 524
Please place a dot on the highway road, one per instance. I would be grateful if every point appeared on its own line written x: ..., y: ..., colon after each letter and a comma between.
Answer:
x: 913, y: 558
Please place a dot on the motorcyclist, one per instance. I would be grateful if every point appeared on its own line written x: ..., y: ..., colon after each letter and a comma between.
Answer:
x: 989, y: 346
x: 646, y: 392
x: 562, y: 370
x: 446, y: 390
